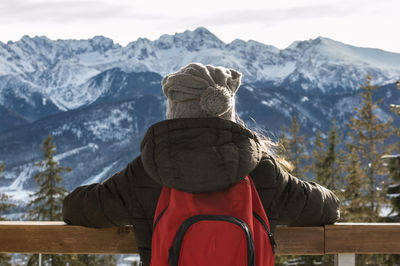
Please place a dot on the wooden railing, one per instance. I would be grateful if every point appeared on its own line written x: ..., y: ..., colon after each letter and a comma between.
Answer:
x: 345, y: 239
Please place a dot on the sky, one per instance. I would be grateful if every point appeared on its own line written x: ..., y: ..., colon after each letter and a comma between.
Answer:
x: 364, y: 23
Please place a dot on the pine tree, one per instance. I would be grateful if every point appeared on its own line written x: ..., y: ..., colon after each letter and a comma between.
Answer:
x: 5, y: 259
x: 46, y: 204
x: 326, y: 160
x: 332, y: 162
x: 394, y: 169
x: 318, y: 158
x: 293, y: 147
x: 394, y: 196
x: 367, y: 137
x: 396, y: 107
x: 353, y: 207
x: 326, y: 169
x: 394, y: 189
x: 4, y: 199
x: 365, y: 188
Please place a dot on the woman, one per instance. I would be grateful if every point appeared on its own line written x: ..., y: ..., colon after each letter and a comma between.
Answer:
x: 201, y: 147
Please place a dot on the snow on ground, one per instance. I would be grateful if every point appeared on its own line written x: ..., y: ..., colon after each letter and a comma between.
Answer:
x: 278, y: 72
x: 25, y: 171
x: 22, y: 173
x: 271, y: 102
x: 385, y: 210
x: 382, y: 115
x: 391, y: 157
x: 304, y: 99
x: 128, y: 260
x: 16, y: 195
x: 116, y: 126
x: 99, y: 177
x: 249, y: 88
x: 64, y: 155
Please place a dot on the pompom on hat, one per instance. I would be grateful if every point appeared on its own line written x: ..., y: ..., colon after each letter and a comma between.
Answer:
x: 199, y: 90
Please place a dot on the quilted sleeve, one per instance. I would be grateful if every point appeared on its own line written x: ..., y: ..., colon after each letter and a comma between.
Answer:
x: 107, y: 204
x: 304, y: 203
x: 291, y: 201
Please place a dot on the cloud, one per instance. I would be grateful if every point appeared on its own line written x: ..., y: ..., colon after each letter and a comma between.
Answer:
x: 271, y: 16
x: 68, y: 11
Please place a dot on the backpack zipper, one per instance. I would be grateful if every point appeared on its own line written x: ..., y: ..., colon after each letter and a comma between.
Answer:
x: 159, y: 217
x: 175, y: 250
x: 270, y: 235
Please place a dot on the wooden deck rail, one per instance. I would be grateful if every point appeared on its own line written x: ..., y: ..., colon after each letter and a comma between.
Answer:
x: 56, y: 237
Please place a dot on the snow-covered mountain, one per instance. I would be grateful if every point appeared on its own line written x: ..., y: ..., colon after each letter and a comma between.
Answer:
x: 97, y: 98
x: 58, y: 73
x: 94, y: 140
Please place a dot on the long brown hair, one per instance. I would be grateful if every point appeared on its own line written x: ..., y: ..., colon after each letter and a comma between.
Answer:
x: 268, y: 147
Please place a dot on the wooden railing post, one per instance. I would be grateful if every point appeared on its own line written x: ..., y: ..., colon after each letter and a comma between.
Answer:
x: 345, y: 259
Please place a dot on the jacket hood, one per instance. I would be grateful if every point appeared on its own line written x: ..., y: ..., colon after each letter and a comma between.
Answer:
x: 199, y: 154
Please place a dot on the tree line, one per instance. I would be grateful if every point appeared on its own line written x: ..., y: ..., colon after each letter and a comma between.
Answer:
x: 46, y: 205
x: 362, y: 168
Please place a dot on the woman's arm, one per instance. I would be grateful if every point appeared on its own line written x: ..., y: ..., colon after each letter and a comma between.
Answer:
x: 106, y: 204
x: 305, y: 203
x: 291, y: 201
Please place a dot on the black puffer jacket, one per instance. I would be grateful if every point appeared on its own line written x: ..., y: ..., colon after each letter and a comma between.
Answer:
x: 196, y: 155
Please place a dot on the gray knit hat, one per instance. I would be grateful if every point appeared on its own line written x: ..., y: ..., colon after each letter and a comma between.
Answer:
x: 201, y: 91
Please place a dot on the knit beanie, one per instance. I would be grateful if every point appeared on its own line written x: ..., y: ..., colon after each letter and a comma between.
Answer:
x: 201, y: 91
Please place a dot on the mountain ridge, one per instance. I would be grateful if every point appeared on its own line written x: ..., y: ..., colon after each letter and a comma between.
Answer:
x: 97, y: 98
x: 100, y: 53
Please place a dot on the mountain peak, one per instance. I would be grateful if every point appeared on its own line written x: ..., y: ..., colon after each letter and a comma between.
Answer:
x: 203, y: 31
x: 319, y: 41
x: 304, y: 44
x: 27, y: 38
x: 200, y: 37
x: 103, y: 43
x: 191, y: 40
x: 334, y: 50
x: 101, y: 38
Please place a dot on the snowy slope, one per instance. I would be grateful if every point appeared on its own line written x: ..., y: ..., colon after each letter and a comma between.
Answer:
x: 95, y: 141
x: 327, y: 65
x: 101, y: 138
x: 97, y: 98
x: 60, y: 70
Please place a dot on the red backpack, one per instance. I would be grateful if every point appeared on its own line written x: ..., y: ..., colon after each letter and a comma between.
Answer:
x: 229, y: 227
